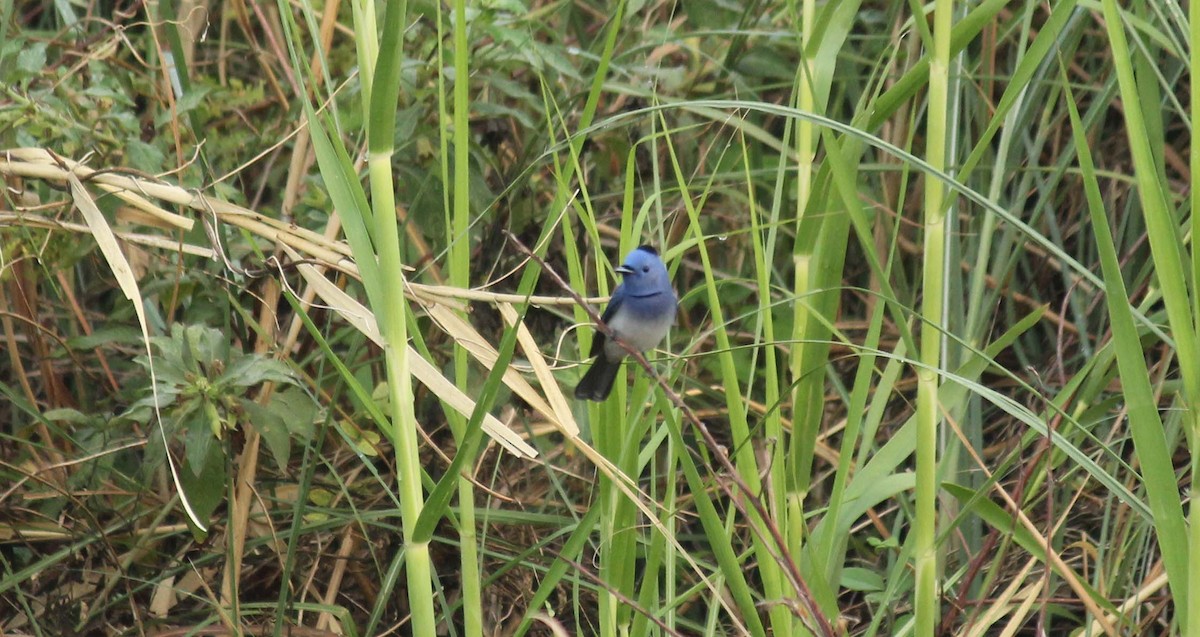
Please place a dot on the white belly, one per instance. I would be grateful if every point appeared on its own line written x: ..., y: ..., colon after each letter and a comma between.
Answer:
x: 642, y: 333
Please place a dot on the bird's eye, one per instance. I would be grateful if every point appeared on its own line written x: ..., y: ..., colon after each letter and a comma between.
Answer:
x: 645, y: 268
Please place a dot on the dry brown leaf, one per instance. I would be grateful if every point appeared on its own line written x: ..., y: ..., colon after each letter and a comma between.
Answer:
x: 111, y: 250
x: 363, y: 319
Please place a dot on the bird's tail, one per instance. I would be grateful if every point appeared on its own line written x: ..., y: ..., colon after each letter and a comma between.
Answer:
x: 597, y: 383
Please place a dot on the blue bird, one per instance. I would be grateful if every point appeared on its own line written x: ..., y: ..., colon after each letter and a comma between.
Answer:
x: 640, y: 312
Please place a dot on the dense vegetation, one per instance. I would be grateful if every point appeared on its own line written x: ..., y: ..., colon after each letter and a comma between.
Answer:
x: 935, y: 369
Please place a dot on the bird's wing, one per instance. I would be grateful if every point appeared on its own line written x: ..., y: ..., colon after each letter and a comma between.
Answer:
x: 618, y: 297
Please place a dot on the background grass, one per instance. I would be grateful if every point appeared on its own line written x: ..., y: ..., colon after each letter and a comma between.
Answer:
x: 934, y: 369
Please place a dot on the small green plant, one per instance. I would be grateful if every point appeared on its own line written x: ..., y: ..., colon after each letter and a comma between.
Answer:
x: 203, y: 388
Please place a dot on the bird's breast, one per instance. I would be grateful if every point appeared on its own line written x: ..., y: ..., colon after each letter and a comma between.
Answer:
x: 642, y: 329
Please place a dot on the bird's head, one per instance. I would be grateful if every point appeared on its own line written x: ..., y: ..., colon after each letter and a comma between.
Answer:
x: 644, y: 272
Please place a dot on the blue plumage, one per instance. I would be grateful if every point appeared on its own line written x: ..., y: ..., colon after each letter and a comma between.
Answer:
x: 640, y: 312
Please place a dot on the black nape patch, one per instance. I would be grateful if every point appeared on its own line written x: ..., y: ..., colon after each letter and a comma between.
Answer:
x: 648, y: 248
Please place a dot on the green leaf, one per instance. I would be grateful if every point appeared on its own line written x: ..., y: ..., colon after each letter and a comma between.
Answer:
x: 250, y: 370
x: 297, y: 410
x: 861, y: 579
x: 272, y: 427
x: 106, y: 336
x: 31, y: 60
x: 199, y: 438
x: 181, y: 352
x: 204, y: 484
x: 144, y: 156
x: 365, y: 442
x: 191, y: 99
x: 73, y: 416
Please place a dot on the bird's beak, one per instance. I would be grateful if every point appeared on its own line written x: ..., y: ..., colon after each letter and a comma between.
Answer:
x: 623, y: 269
